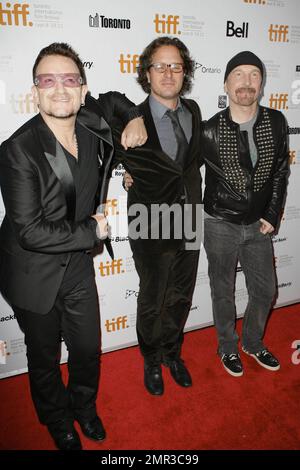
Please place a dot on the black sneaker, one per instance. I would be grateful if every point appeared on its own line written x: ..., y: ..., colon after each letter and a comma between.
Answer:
x: 265, y: 359
x: 232, y: 364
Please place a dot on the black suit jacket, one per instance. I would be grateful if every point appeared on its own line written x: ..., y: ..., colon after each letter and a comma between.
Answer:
x: 38, y: 232
x: 158, y: 179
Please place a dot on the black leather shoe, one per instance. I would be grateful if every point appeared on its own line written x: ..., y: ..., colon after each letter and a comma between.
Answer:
x: 93, y: 429
x: 180, y: 373
x: 65, y: 436
x: 153, y: 380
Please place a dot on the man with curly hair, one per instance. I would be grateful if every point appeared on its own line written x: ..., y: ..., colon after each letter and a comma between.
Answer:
x: 166, y: 174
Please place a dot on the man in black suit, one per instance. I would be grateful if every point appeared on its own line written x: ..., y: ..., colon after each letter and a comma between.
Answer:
x: 49, y: 176
x: 165, y: 173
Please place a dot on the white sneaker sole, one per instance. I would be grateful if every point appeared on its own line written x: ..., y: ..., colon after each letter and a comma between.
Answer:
x: 260, y: 363
x: 234, y: 374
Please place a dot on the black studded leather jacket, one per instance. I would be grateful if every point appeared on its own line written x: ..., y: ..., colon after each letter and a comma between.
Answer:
x: 236, y: 191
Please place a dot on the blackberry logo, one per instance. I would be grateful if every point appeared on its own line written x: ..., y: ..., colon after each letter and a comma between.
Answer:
x: 7, y: 318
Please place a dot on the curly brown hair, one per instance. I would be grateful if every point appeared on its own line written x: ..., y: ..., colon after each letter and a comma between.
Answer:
x: 146, y: 60
x: 63, y: 49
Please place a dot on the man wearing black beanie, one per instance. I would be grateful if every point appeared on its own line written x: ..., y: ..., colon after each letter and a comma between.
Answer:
x: 246, y: 157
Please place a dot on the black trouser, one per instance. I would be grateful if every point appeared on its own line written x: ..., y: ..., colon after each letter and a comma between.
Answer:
x: 75, y: 317
x: 167, y: 282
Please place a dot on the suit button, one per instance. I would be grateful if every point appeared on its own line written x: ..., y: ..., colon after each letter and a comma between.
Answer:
x: 63, y: 264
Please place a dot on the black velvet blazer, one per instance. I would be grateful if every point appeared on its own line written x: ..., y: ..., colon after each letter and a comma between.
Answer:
x: 158, y: 179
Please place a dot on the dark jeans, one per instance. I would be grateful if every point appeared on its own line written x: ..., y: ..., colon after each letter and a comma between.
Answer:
x: 167, y: 282
x: 226, y: 244
x: 75, y: 317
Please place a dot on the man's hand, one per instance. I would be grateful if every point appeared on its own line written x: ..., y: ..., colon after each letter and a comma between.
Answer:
x: 266, y: 227
x: 134, y: 134
x: 127, y: 181
x: 102, y: 229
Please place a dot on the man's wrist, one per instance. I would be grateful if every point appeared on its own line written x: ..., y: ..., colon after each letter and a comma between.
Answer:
x: 133, y: 113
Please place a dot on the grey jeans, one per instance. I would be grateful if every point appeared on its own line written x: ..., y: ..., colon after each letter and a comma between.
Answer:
x: 226, y: 244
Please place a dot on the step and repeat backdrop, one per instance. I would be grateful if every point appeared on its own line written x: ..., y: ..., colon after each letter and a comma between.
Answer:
x: 109, y: 37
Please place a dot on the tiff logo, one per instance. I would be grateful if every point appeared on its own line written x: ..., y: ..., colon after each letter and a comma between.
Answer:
x: 166, y: 26
x: 116, y: 324
x: 111, y: 207
x: 130, y: 64
x: 241, y: 32
x: 292, y: 157
x: 14, y: 16
x: 110, y: 268
x: 278, y: 33
x: 279, y: 101
x: 24, y: 104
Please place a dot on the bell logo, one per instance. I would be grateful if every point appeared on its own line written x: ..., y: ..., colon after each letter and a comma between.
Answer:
x: 14, y: 16
x: 24, y: 104
x: 111, y: 268
x: 278, y: 33
x: 111, y: 207
x: 241, y: 32
x: 166, y: 24
x: 116, y: 324
x: 130, y: 64
x: 279, y: 101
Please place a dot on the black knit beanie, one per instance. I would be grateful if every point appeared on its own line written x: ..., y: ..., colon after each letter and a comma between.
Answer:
x: 243, y: 58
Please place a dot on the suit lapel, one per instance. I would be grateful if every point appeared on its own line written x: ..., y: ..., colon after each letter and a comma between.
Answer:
x: 153, y: 142
x: 196, y: 129
x: 56, y: 157
x: 153, y: 139
x: 90, y: 118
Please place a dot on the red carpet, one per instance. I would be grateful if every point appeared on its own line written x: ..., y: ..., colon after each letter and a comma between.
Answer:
x: 260, y: 410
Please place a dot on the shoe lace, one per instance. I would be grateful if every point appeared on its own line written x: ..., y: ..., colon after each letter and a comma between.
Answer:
x: 231, y: 357
x: 265, y: 352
